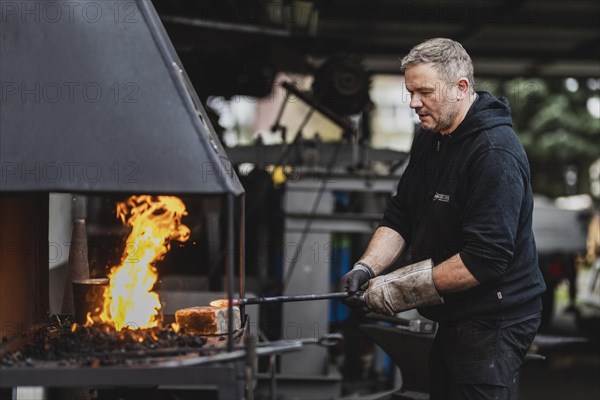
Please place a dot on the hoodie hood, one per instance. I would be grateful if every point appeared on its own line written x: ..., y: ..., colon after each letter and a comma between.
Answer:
x: 486, y: 112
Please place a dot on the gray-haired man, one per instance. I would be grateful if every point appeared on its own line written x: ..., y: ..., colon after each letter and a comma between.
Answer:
x: 460, y: 228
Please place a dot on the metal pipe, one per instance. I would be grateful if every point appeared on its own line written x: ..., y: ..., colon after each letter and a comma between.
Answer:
x: 230, y: 260
x: 242, y: 253
x: 286, y: 299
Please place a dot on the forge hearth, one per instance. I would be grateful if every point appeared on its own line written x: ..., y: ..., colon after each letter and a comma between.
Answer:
x: 159, y: 144
x: 65, y: 343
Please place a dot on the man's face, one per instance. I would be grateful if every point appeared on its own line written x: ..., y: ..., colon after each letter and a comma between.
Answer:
x: 433, y: 99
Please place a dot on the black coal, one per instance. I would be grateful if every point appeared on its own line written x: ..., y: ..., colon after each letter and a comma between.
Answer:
x: 71, y: 344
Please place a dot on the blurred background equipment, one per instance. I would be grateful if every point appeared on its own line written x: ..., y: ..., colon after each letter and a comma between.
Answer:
x: 342, y: 83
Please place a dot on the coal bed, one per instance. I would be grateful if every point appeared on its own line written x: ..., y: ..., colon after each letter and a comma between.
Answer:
x: 64, y: 343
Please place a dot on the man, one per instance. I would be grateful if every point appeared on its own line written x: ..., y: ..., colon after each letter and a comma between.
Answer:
x: 460, y: 228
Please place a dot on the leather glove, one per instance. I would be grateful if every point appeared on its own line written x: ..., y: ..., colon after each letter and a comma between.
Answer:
x: 353, y: 281
x: 405, y: 288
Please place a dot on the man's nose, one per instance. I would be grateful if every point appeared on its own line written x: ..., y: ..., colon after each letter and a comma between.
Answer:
x: 415, y: 101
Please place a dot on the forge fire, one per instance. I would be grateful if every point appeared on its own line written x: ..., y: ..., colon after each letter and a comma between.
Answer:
x: 130, y: 300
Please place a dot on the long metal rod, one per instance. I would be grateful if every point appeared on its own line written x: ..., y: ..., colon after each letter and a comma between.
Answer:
x: 242, y: 252
x: 230, y: 260
x: 286, y: 299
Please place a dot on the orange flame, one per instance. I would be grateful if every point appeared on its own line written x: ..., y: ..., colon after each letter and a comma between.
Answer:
x: 129, y: 300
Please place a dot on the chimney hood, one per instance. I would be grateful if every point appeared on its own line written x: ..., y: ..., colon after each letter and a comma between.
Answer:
x: 93, y: 98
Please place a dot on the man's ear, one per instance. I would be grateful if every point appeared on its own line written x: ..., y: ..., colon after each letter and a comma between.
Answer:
x: 463, y: 88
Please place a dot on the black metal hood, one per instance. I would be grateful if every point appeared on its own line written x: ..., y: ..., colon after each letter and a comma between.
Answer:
x: 94, y: 99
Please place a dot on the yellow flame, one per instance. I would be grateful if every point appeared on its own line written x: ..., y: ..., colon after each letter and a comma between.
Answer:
x: 89, y: 320
x: 129, y: 300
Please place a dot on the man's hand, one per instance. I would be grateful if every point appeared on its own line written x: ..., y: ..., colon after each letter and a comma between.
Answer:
x: 353, y: 281
x: 407, y: 287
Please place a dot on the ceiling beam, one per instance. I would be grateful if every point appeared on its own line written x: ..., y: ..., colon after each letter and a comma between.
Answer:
x: 471, y: 30
x: 526, y: 13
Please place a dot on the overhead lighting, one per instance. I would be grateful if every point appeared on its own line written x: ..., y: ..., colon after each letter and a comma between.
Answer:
x: 593, y: 106
x: 572, y: 85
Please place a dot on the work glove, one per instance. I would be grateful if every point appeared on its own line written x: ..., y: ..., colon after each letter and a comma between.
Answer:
x: 405, y: 288
x: 352, y: 283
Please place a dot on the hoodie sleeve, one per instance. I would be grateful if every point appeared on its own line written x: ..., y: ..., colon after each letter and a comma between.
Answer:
x: 400, y: 211
x: 397, y: 213
x: 496, y: 188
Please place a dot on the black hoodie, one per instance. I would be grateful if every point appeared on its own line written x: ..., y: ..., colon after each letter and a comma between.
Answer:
x: 469, y: 193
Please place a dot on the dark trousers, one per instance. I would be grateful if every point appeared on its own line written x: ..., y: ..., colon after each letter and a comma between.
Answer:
x: 478, y: 359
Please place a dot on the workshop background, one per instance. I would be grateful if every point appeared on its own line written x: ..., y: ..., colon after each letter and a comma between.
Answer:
x: 309, y: 105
